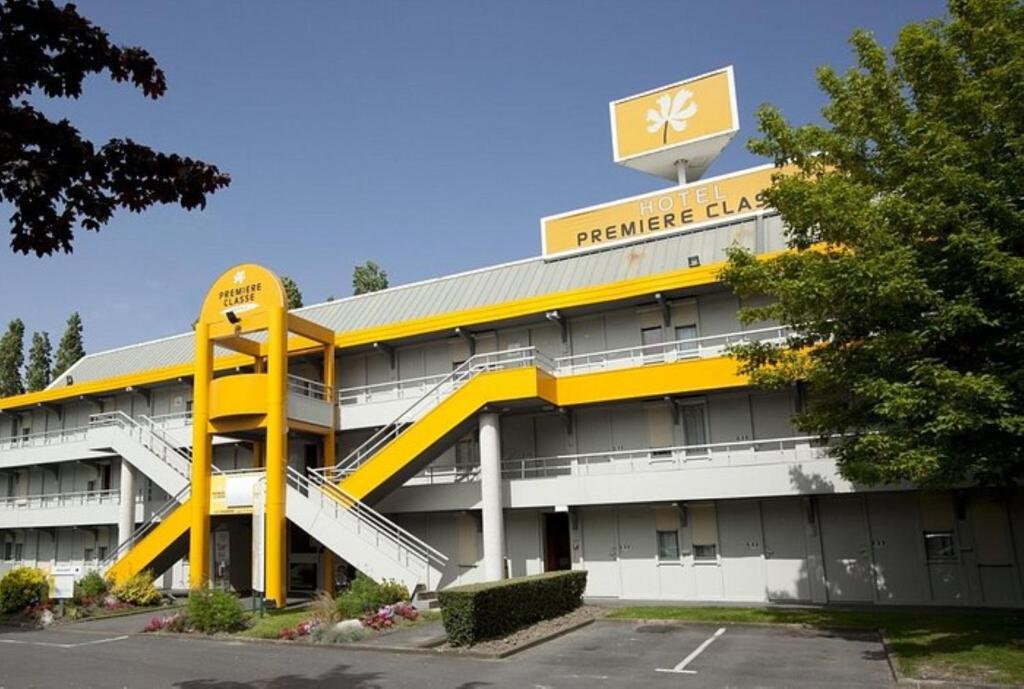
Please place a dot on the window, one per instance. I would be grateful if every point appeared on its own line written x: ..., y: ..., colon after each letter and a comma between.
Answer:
x: 8, y: 551
x: 705, y: 552
x: 89, y: 553
x: 939, y: 546
x: 651, y: 336
x: 103, y: 552
x: 668, y: 545
x: 695, y: 436
x: 686, y: 332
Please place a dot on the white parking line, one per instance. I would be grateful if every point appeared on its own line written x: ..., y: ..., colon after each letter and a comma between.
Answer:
x: 50, y: 644
x: 681, y: 667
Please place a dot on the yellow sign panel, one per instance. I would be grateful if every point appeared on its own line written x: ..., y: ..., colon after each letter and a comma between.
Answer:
x: 243, y: 291
x: 233, y: 493
x: 682, y: 113
x: 728, y: 197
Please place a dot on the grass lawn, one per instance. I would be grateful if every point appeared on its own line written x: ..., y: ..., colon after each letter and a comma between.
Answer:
x: 269, y: 626
x: 966, y: 646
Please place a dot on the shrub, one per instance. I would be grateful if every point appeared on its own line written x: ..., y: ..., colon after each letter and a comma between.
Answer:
x: 91, y: 588
x: 487, y: 611
x: 169, y: 623
x: 212, y: 610
x: 137, y: 589
x: 365, y: 595
x: 22, y: 587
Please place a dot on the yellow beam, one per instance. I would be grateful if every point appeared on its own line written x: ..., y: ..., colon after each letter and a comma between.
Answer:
x: 313, y: 331
x: 202, y: 461
x: 242, y: 345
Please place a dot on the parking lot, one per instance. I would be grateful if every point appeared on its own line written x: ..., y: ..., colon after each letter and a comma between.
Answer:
x: 606, y: 654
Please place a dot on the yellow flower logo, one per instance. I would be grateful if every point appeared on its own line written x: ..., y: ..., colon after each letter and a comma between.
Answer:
x: 672, y: 112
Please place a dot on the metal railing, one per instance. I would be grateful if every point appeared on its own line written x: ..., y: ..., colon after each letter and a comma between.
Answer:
x: 178, y: 419
x: 143, y: 529
x: 738, y: 453
x: 150, y: 435
x: 388, y: 391
x: 366, y: 523
x: 306, y: 387
x: 57, y: 500
x: 663, y: 352
x: 43, y: 438
x: 479, y: 363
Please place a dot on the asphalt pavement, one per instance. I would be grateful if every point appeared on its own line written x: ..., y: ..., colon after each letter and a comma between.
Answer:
x: 109, y: 654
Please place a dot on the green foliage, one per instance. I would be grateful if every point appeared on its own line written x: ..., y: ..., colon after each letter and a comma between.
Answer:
x: 70, y: 349
x: 92, y: 587
x: 906, y: 282
x: 22, y: 587
x: 12, y: 356
x: 366, y: 595
x: 486, y: 611
x: 137, y: 589
x: 324, y: 608
x: 212, y: 610
x: 292, y: 293
x: 54, y: 179
x: 369, y: 277
x: 37, y: 375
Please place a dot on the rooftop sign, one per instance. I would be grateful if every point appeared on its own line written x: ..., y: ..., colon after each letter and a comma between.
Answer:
x: 677, y: 209
x: 690, y: 121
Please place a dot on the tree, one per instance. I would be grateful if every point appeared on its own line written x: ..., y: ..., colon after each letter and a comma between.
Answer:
x: 54, y: 179
x: 37, y: 376
x: 70, y: 349
x: 291, y: 291
x: 12, y: 356
x: 369, y: 277
x: 906, y: 280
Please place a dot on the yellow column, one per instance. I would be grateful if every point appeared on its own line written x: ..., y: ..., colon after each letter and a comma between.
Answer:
x: 276, y: 458
x: 202, y: 453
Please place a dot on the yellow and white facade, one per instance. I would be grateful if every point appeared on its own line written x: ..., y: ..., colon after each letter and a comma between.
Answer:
x: 578, y: 409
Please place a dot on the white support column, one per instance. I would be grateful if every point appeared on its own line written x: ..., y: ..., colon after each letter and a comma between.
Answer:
x: 126, y: 514
x: 681, y: 171
x: 491, y: 497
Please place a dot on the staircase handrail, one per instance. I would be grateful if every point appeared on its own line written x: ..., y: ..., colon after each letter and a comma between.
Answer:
x: 145, y: 427
x: 366, y: 514
x: 478, y: 363
x: 143, y: 529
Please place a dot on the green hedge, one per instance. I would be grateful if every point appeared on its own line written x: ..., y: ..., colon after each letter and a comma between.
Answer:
x: 486, y: 611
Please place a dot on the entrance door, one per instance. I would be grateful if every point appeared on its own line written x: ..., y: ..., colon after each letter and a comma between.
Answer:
x: 557, y: 552
x: 785, y: 551
x: 739, y: 534
x: 601, y: 551
x: 896, y: 543
x: 844, y: 540
x: 638, y: 553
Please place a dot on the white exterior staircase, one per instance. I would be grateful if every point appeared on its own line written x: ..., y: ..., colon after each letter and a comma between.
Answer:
x: 146, y: 446
x: 365, y: 538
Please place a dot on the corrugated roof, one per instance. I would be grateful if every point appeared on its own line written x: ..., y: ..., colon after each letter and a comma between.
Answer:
x: 483, y: 287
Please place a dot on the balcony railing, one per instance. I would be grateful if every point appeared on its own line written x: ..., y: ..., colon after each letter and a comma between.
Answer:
x: 179, y: 419
x: 654, y: 459
x: 389, y: 391
x: 305, y: 387
x: 665, y: 352
x: 44, y: 438
x: 59, y: 500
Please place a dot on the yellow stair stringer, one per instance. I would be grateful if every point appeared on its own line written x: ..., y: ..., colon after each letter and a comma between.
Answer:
x: 653, y: 380
x: 161, y: 537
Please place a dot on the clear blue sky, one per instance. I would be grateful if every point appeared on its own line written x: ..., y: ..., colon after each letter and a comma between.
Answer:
x: 430, y: 137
